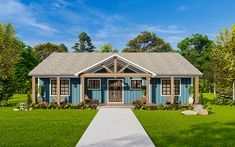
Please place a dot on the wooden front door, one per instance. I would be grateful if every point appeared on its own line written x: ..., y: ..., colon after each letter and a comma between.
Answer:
x: 115, y: 90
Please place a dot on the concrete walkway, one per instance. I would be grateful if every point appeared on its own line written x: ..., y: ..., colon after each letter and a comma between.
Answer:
x: 115, y: 127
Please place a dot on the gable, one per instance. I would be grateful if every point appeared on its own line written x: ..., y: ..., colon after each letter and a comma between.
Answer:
x: 108, y: 65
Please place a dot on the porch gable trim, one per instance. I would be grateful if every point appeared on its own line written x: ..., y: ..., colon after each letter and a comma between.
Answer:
x: 116, y: 55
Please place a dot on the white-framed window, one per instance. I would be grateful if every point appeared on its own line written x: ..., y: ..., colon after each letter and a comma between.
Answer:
x: 136, y: 84
x: 64, y: 87
x: 94, y: 84
x: 166, y: 87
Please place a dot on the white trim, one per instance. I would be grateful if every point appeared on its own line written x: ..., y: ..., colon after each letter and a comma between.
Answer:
x: 94, y: 65
x: 137, y: 65
x: 191, y: 81
x: 108, y: 91
x: 136, y: 80
x: 169, y: 79
x: 56, y: 87
x: 93, y: 88
x: 112, y: 57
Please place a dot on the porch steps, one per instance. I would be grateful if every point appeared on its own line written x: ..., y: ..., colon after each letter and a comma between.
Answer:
x: 115, y: 106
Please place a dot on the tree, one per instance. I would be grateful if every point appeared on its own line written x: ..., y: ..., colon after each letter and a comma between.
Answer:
x: 84, y: 44
x: 107, y: 48
x: 147, y: 42
x: 196, y: 49
x: 28, y: 60
x: 44, y: 50
x: 63, y: 47
x: 10, y: 48
x: 223, y: 61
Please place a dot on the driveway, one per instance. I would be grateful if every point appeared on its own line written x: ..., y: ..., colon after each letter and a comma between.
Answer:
x: 114, y: 127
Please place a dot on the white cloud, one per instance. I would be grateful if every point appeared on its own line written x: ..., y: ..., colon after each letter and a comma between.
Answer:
x: 17, y: 13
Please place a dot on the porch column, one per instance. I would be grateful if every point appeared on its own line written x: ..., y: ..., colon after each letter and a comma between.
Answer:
x: 83, y: 88
x: 147, y: 89
x: 33, y: 90
x: 172, y: 90
x: 196, y: 90
x: 58, y: 90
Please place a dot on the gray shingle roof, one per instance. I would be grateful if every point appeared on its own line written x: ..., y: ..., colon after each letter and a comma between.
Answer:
x: 68, y: 64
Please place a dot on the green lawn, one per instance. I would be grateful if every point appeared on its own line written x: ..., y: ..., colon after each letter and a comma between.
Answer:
x: 43, y: 127
x: 208, y: 96
x: 170, y: 128
x: 18, y: 98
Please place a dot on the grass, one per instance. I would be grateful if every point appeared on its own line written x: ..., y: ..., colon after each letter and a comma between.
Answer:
x: 18, y: 98
x: 43, y: 127
x: 170, y: 128
x: 208, y: 96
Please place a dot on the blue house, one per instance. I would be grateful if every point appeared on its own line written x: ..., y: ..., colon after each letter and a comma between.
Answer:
x: 114, y: 78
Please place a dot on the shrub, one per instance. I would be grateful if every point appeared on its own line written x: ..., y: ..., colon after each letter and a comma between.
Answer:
x: 160, y: 107
x: 151, y: 106
x: 208, y: 108
x: 88, y: 104
x: 5, y: 104
x: 29, y: 99
x: 223, y: 101
x: 52, y: 106
x: 137, y: 104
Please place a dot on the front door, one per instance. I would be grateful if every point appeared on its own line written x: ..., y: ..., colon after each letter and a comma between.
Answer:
x: 115, y: 91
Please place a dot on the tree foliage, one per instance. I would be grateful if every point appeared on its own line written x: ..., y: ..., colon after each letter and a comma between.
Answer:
x: 84, y: 44
x: 63, y: 47
x: 10, y: 48
x: 223, y: 61
x: 147, y: 42
x: 28, y: 60
x: 196, y: 49
x: 44, y: 50
x: 107, y: 48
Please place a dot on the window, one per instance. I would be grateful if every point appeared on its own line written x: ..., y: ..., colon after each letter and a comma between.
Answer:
x: 64, y: 87
x: 177, y: 87
x: 166, y: 87
x: 93, y: 84
x: 53, y: 87
x: 136, y: 84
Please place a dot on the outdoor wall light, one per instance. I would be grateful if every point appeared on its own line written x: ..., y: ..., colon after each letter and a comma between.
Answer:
x: 103, y: 84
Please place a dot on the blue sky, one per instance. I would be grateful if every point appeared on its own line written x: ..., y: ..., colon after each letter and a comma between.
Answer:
x: 115, y: 21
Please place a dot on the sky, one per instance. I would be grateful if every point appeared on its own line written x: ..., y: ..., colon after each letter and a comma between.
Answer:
x: 115, y: 21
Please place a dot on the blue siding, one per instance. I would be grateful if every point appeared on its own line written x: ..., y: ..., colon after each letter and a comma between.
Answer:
x: 74, y: 91
x: 156, y: 90
x: 185, y: 83
x: 97, y: 94
x: 74, y: 96
x: 129, y: 94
